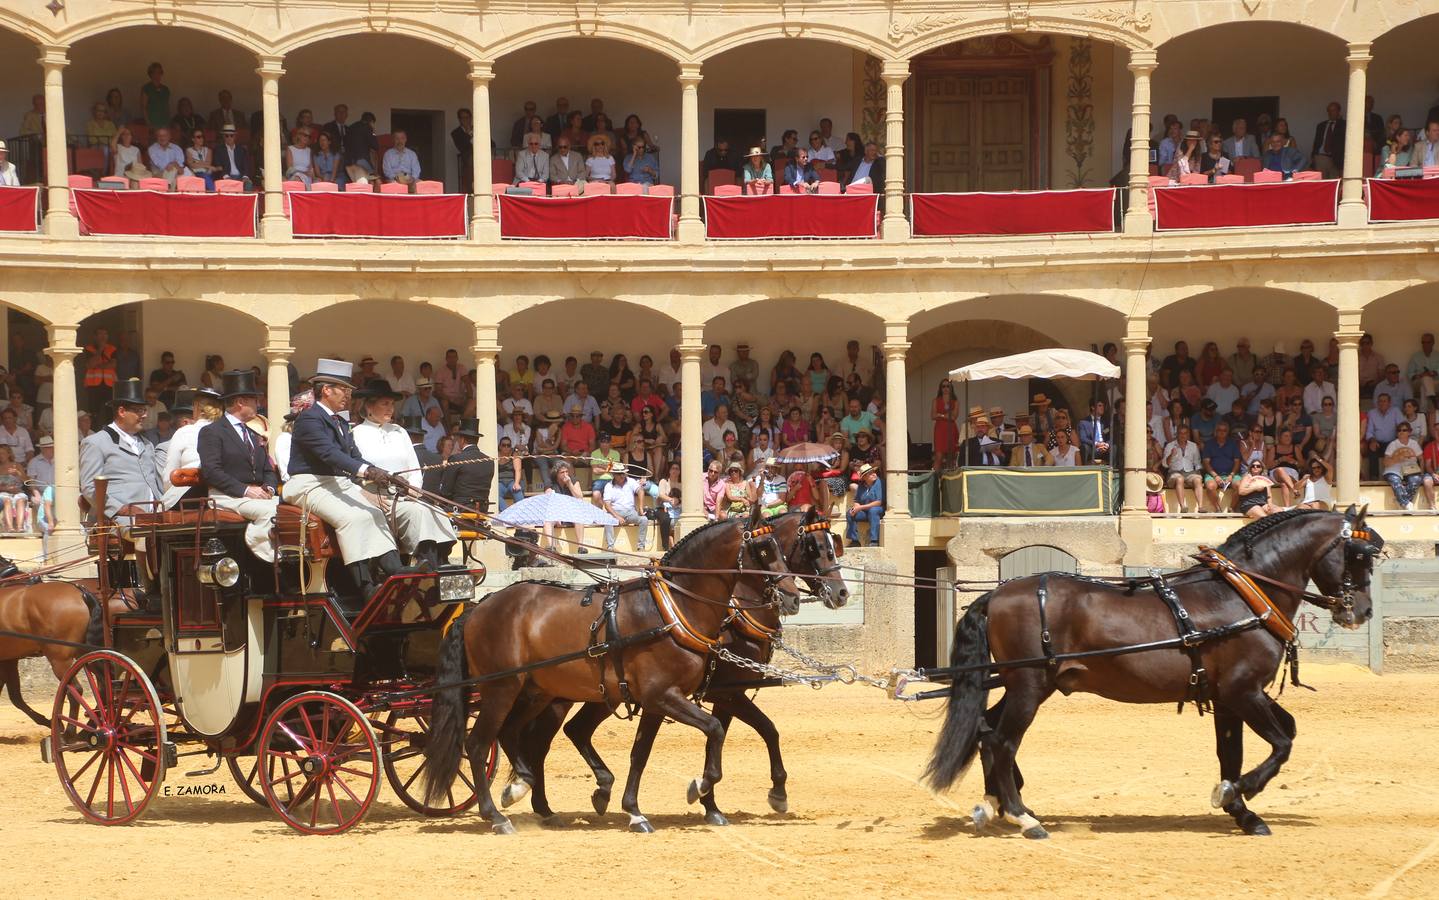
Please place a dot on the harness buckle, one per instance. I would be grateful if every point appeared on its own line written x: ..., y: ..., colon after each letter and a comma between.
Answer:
x: 595, y: 651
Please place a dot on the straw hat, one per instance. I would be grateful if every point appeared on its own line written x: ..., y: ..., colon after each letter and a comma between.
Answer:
x: 996, y: 411
x: 755, y: 151
x: 1026, y: 430
x: 866, y: 469
x: 1191, y: 135
x: 1039, y: 400
x: 976, y: 412
x: 1153, y: 483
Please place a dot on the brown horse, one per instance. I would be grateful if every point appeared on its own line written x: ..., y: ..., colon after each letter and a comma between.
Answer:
x: 48, y: 610
x: 528, y: 624
x: 1048, y: 617
x: 811, y: 553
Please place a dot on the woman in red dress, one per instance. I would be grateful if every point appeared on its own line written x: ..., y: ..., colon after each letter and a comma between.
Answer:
x: 945, y: 413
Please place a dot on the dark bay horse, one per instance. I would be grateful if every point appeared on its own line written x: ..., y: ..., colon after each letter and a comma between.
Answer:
x: 811, y: 553
x: 528, y: 623
x: 1278, y: 555
x: 57, y: 610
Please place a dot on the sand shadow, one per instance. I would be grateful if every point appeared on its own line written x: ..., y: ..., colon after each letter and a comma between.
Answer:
x: 946, y: 827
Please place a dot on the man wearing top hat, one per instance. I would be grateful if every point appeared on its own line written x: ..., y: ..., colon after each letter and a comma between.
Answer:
x: 236, y: 464
x: 119, y: 454
x: 324, y: 465
x: 471, y: 472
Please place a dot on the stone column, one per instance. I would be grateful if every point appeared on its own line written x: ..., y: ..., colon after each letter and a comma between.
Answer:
x: 274, y: 224
x: 896, y: 226
x: 1134, y: 520
x: 63, y: 349
x: 487, y: 409
x: 278, y: 351
x: 1352, y: 212
x: 691, y: 229
x: 896, y: 421
x: 1137, y: 218
x: 692, y: 349
x: 484, y: 227
x: 1347, y: 458
x: 60, y: 222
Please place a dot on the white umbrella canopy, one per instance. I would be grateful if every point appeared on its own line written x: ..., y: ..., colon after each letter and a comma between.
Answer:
x: 544, y: 508
x: 1080, y: 365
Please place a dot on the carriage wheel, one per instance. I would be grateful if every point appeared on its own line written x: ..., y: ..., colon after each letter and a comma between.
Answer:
x: 246, y: 772
x: 107, y: 735
x: 319, y: 763
x: 405, y: 766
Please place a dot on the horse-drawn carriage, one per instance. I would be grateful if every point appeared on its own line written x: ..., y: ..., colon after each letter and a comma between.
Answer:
x: 276, y: 672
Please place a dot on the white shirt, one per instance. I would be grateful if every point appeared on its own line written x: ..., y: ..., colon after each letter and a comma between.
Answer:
x: 1396, y: 445
x: 1314, y: 395
x: 9, y: 177
x: 621, y: 498
x: 511, y: 404
x: 388, y: 447
x: 282, y: 454
x: 861, y: 171
x: 182, y: 453
x: 433, y: 433
x: 1182, y: 459
x: 1317, y: 491
x: 403, y: 383
x: 519, y: 437
x: 823, y: 153
x: 18, y: 439
x: 1062, y: 458
x: 714, y: 433
x: 41, y: 471
x: 242, y: 431
x: 44, y: 390
x: 1222, y: 396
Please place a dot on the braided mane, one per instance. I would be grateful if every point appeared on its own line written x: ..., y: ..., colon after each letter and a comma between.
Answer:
x: 1245, y: 536
x: 685, y: 541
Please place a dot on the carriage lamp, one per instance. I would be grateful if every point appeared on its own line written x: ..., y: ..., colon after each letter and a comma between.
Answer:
x: 457, y: 587
x: 216, y: 569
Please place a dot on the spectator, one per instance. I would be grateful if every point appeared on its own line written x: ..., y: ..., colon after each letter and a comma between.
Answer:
x: 1223, y: 390
x: 1094, y: 435
x: 15, y: 437
x: 24, y: 412
x: 532, y: 164
x: 14, y: 498
x: 1256, y: 390
x: 717, y: 427
x: 788, y: 143
x: 100, y: 129
x: 600, y: 166
x: 401, y: 165
x: 605, y: 128
x: 1222, y: 465
x: 565, y: 483
x: 155, y: 96
x: 327, y: 163
x: 1380, y: 431
x: 1177, y: 362
x: 1426, y: 151
x: 713, y: 488
x: 758, y: 176
x: 718, y: 158
x: 736, y: 496
x: 1281, y: 128
x: 859, y: 420
x: 641, y: 166
x: 1027, y: 453
x: 1169, y: 146
x: 1281, y: 158
x: 361, y: 149
x: 870, y: 168
x: 770, y: 489
x: 1398, y: 153
x: 1253, y: 492
x: 225, y: 113
x: 548, y: 401
x: 338, y: 128
x: 1187, y: 159
x: 186, y: 121
x: 167, y: 161
x: 518, y: 430
x: 1317, y: 389
x: 419, y: 404
x: 826, y: 134
x: 566, y: 166
x: 1064, y: 452
x: 867, y: 506
x: 583, y: 401
x: 944, y: 411
x: 1371, y: 367
x: 847, y: 158
x: 800, y: 175
x: 522, y: 124
x: 1328, y: 152
x: 602, y: 460
x: 820, y: 154
x: 647, y: 444
x: 980, y: 449
x: 1205, y: 424
x: 536, y: 127
x: 1399, y: 390
x: 1423, y: 371
x: 1403, y: 466
x: 1285, y: 466
x: 463, y: 137
x: 560, y: 120
x: 517, y: 402
x: 1241, y: 143
x: 9, y: 175
x: 597, y: 109
x: 577, y: 436
x: 574, y: 129
x: 199, y: 160
x: 449, y: 382
x: 232, y: 160
x: 434, y: 428
x: 167, y: 378
x: 1314, y: 488
x: 1183, y: 464
x: 511, y: 479
x: 115, y: 104
x: 1214, y: 162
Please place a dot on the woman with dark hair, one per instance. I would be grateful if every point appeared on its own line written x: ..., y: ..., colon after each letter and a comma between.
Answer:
x: 575, y: 130
x: 785, y: 371
x: 847, y: 159
x: 634, y: 132
x: 867, y: 449
x: 744, y: 405
x: 647, y: 446
x: 945, y: 413
x: 620, y: 374
x: 834, y: 481
x: 186, y: 121
x: 213, y: 376
x: 1209, y: 367
x: 796, y: 429
x: 834, y: 398
x: 818, y: 373
x: 764, y: 422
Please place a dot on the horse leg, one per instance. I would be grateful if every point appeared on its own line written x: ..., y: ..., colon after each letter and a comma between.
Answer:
x: 580, y: 729
x: 10, y: 670
x: 1229, y: 744
x: 742, y: 707
x: 987, y: 810
x: 513, y: 736
x: 713, y: 816
x: 639, y: 756
x: 677, y: 706
x: 1258, y: 712
x: 495, y: 705
x: 533, y: 745
x: 1024, y: 698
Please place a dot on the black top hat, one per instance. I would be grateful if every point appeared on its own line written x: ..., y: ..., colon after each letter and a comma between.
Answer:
x: 129, y: 391
x: 203, y: 391
x: 468, y: 427
x: 413, y: 424
x: 184, y: 401
x: 376, y: 388
x: 239, y: 383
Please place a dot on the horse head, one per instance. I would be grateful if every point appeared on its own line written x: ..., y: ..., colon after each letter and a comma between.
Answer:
x: 760, y: 547
x: 1344, y: 571
x: 820, y: 550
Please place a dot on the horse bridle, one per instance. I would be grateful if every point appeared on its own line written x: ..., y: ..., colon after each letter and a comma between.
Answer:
x: 1360, y: 545
x: 814, y: 554
x: 762, y: 544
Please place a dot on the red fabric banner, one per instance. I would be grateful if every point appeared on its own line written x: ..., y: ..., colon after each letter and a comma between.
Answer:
x: 20, y: 208
x: 169, y: 215
x: 362, y: 215
x: 1027, y: 212
x: 1245, y: 205
x: 792, y: 216
x: 1405, y: 200
x: 605, y: 216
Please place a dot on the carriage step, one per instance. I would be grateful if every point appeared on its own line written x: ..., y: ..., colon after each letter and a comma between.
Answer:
x: 46, y: 755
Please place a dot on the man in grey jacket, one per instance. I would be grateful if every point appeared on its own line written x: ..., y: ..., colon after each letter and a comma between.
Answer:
x: 566, y: 166
x: 119, y: 453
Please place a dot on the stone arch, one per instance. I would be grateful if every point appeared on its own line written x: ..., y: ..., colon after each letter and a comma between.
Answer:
x: 827, y: 32
x: 18, y: 25
x: 574, y: 326
x: 642, y: 37
x: 930, y: 32
x: 224, y: 29
x: 44, y: 313
x: 801, y: 325
x: 414, y: 28
x: 1222, y: 15
x: 355, y: 327
x: 1398, y: 319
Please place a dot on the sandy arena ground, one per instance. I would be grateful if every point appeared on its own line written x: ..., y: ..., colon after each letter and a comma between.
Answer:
x: 1124, y: 791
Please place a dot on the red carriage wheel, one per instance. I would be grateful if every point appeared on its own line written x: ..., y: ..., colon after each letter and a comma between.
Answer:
x: 405, y: 766
x: 319, y: 763
x: 107, y: 737
x: 246, y: 772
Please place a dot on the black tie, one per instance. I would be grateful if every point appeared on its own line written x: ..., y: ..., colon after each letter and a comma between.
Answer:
x: 1028, y: 459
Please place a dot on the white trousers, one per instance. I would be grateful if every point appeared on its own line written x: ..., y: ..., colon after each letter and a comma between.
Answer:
x: 261, y: 516
x: 416, y: 522
x: 359, y: 524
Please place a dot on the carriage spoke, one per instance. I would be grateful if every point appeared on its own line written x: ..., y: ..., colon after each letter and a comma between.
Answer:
x: 344, y: 787
x: 334, y: 803
x: 125, y: 782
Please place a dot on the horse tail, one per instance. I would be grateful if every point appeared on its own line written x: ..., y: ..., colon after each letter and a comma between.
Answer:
x: 445, y: 748
x: 959, y: 738
x: 95, y: 630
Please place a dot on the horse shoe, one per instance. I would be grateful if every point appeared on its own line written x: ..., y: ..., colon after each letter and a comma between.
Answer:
x: 696, y: 790
x: 985, y: 812
x: 640, y: 825
x: 1224, y: 793
x: 715, y: 817
x: 1029, y: 826
x: 778, y: 802
x: 513, y: 793
x: 504, y: 826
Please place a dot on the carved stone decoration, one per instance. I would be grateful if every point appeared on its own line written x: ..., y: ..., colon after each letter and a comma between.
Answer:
x: 1251, y: 6
x: 994, y: 46
x: 913, y: 26
x: 1123, y: 18
x: 378, y: 24
x: 874, y: 100
x: 587, y: 19
x: 1079, y: 121
x: 1019, y: 16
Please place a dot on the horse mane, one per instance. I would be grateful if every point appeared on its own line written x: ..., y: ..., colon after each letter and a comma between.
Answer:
x: 689, y: 538
x: 1244, y: 538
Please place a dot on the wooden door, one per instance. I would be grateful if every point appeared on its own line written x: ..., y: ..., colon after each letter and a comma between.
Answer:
x: 977, y: 132
x: 1003, y: 132
x: 949, y: 139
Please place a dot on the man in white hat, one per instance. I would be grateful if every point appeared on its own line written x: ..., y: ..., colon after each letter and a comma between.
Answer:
x: 324, y: 465
x: 625, y: 500
x: 9, y: 175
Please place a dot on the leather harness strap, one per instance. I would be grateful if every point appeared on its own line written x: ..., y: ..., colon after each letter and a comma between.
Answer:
x: 609, y: 620
x: 1274, y: 619
x: 685, y: 634
x: 1198, y: 677
x: 1046, y: 643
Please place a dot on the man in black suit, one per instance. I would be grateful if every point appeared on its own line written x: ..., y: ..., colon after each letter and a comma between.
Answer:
x: 236, y: 466
x: 464, y: 140
x: 980, y: 450
x: 1328, y: 152
x: 232, y: 159
x: 469, y: 483
x: 429, y: 460
x: 324, y: 465
x: 871, y: 167
x: 557, y: 122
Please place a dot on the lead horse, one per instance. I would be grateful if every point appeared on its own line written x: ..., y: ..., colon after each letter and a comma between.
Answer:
x: 651, y: 651
x: 1258, y: 574
x: 49, y: 615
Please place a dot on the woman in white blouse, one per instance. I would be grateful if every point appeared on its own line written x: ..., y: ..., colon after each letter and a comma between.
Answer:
x: 1064, y: 453
x: 125, y: 155
x: 421, y: 531
x: 600, y: 166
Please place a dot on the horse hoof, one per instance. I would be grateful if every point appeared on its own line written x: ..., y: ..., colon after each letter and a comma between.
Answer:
x: 513, y: 793
x: 1224, y: 793
x: 1035, y: 833
x: 641, y: 825
x: 982, y: 816
x: 715, y: 817
x: 1256, y: 827
x: 696, y: 790
x: 778, y: 802
x: 552, y: 821
x: 600, y: 800
x: 505, y: 827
